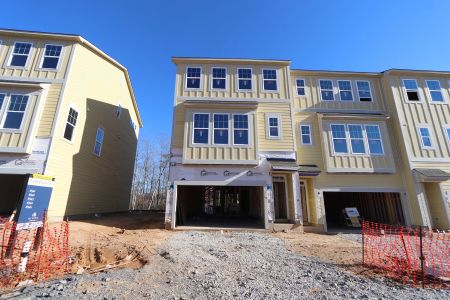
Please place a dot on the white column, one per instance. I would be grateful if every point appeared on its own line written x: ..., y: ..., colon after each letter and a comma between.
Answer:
x: 297, y: 198
x: 169, y: 207
x: 270, y: 205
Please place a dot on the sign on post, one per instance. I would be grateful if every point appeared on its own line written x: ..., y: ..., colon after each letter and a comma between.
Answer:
x: 35, y: 201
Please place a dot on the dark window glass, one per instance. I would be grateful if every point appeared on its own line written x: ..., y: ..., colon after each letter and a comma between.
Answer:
x: 364, y: 92
x: 193, y: 78
x: 270, y: 80
x: 413, y: 96
x: 245, y: 79
x: 71, y: 123
x: 20, y: 54
x: 51, y: 56
x: 201, y: 128
x: 240, y: 129
x: 219, y: 78
x: 15, y: 112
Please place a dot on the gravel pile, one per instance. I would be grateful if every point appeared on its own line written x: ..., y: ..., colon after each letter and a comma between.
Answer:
x: 195, y: 265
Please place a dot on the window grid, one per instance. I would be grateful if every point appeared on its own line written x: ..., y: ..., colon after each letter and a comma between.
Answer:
x: 364, y: 91
x: 240, y: 129
x: 300, y: 83
x: 357, y: 136
x: 219, y: 78
x: 374, y: 139
x: 305, y: 134
x: 339, y: 137
x: 326, y: 90
x: 193, y: 75
x: 434, y: 87
x: 70, y: 124
x: 99, y: 141
x: 19, y: 55
x: 345, y: 90
x: 15, y: 111
x: 412, y: 90
x: 356, y: 139
x: 201, y: 129
x: 270, y: 80
x: 51, y: 57
x: 244, y: 79
x: 274, y: 127
x: 221, y: 126
x: 425, y: 137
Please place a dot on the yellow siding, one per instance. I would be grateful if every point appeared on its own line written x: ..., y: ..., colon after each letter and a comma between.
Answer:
x: 309, y: 154
x: 286, y: 142
x: 33, y: 69
x: 86, y: 183
x: 49, y: 112
x: 436, y: 205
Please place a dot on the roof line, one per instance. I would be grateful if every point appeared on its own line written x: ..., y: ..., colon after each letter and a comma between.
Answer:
x: 228, y: 58
x: 337, y: 71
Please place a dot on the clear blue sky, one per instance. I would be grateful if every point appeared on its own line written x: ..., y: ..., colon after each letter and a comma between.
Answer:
x: 361, y: 35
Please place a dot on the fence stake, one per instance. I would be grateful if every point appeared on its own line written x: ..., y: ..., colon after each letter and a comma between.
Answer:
x: 421, y: 257
x: 362, y: 240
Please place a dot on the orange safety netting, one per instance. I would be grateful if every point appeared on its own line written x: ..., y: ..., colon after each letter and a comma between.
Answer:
x: 411, y: 255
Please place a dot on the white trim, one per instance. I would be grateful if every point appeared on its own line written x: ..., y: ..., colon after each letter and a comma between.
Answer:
x: 248, y: 128
x: 446, y: 135
x: 430, y: 136
x: 367, y: 139
x: 211, y: 79
x: 278, y: 117
x: 276, y: 80
x: 351, y: 90
x: 251, y: 80
x: 370, y: 90
x: 405, y: 90
x: 444, y: 100
x: 332, y: 140
x: 296, y: 87
x: 6, y: 110
x: 363, y: 138
x: 43, y: 56
x: 100, y: 142
x: 243, y: 100
x: 228, y: 128
x: 200, y: 87
x: 320, y: 89
x: 11, y: 53
x: 301, y: 124
x: 193, y: 127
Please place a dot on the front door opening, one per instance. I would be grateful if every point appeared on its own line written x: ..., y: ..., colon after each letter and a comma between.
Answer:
x: 11, y: 187
x: 304, y: 197
x: 280, y: 198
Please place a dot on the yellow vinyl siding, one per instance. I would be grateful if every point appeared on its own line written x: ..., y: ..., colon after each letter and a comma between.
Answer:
x: 286, y: 142
x: 49, y: 112
x: 308, y: 154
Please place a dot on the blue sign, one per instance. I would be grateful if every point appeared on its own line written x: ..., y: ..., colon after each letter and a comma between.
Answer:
x: 35, y: 203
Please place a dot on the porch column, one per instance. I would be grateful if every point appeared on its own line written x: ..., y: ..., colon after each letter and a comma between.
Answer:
x: 270, y: 205
x: 169, y: 207
x: 297, y: 198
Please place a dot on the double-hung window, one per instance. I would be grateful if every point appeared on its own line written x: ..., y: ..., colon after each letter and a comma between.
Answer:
x: 99, y: 141
x: 2, y: 99
x: 300, y: 83
x: 15, y: 112
x: 339, y: 137
x: 219, y: 78
x: 193, y: 77
x: 412, y: 91
x: 244, y: 79
x: 364, y: 91
x: 52, y: 53
x: 345, y: 90
x: 447, y: 133
x: 201, y: 129
x: 273, y: 126
x: 434, y: 87
x: 240, y: 129
x: 326, y: 90
x: 270, y: 80
x: 20, y: 54
x: 425, y: 137
x: 221, y: 131
x: 374, y: 139
x: 305, y: 134
x: 356, y: 139
x: 70, y: 124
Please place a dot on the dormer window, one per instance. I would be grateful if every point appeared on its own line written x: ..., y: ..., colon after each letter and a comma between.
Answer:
x: 270, y: 80
x: 244, y: 79
x: 51, y: 57
x: 193, y: 78
x: 19, y: 55
x: 219, y: 76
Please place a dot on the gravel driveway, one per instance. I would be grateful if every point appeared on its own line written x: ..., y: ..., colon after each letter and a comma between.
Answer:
x: 197, y: 265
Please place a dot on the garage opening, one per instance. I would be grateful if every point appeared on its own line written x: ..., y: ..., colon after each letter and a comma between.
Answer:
x: 11, y: 187
x: 376, y: 207
x: 220, y: 206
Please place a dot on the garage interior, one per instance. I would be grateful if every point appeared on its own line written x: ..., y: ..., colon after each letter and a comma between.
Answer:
x: 220, y: 206
x: 376, y: 207
x: 11, y: 187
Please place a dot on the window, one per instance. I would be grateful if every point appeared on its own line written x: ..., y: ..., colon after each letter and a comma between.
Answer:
x: 193, y: 78
x: 220, y: 136
x: 240, y: 129
x: 339, y: 138
x: 98, y: 141
x: 305, y: 134
x: 15, y: 112
x: 270, y: 80
x: 132, y: 124
x: 364, y: 92
x: 70, y: 124
x: 326, y: 90
x: 274, y: 126
x: 412, y: 92
x: 345, y: 90
x: 425, y: 137
x: 51, y: 57
x: 356, y: 139
x: 447, y: 131
x: 300, y: 87
x: 244, y: 79
x: 434, y: 87
x: 201, y: 128
x: 374, y: 139
x: 2, y: 98
x: 219, y: 76
x: 119, y: 111
x: 19, y: 55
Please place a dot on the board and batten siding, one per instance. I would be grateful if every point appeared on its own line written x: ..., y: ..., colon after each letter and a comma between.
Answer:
x: 33, y: 70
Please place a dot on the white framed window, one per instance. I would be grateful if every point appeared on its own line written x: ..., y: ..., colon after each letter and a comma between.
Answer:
x: 364, y: 90
x: 412, y: 90
x: 447, y: 134
x: 270, y: 80
x: 345, y: 90
x: 273, y: 126
x: 221, y: 129
x: 244, y: 79
x: 19, y: 54
x: 300, y: 84
x: 326, y: 90
x: 201, y: 128
x: 240, y: 129
x: 119, y: 111
x: 425, y: 137
x: 99, y: 136
x: 15, y: 111
x: 218, y: 78
x: 2, y: 100
x: 356, y: 135
x: 305, y: 134
x: 193, y: 77
x: 434, y: 89
x: 71, y: 123
x: 374, y: 139
x: 339, y: 138
x: 51, y: 56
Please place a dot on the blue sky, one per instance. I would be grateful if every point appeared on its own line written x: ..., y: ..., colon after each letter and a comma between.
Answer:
x: 359, y: 35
